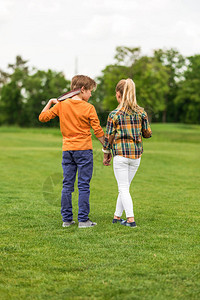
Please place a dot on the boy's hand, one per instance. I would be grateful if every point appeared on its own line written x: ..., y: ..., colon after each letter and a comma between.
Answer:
x: 50, y: 102
x: 53, y: 101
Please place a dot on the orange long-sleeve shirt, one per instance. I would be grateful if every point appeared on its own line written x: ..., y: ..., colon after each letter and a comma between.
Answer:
x: 76, y: 119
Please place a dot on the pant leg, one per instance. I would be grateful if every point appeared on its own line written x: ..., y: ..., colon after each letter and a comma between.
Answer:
x: 84, y: 161
x: 119, y: 205
x: 69, y: 174
x: 133, y: 167
x: 121, y: 171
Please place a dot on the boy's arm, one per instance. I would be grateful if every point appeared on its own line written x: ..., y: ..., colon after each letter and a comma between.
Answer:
x: 50, y: 102
x: 101, y: 139
x: 47, y: 114
x: 94, y: 121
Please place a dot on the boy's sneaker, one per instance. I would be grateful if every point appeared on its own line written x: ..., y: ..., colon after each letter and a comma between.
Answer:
x: 67, y: 224
x: 86, y: 224
x: 114, y: 221
x: 125, y: 223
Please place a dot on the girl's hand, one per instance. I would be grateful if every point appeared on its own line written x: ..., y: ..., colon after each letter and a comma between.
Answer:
x: 107, y: 158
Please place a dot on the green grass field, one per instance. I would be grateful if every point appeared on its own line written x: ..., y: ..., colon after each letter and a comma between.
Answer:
x: 160, y: 259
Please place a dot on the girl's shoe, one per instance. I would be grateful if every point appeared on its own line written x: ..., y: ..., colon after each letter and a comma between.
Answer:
x: 114, y: 221
x: 131, y: 224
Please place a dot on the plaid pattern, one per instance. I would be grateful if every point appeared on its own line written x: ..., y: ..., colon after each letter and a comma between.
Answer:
x: 124, y: 132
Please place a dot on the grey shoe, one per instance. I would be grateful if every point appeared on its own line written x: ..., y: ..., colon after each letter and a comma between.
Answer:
x: 86, y: 224
x: 67, y: 224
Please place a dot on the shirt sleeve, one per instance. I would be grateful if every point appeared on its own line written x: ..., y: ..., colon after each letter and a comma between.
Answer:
x: 49, y: 114
x: 146, y: 129
x: 110, y: 133
x: 94, y: 122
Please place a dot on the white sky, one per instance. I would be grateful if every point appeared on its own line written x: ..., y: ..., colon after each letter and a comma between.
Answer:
x: 52, y: 33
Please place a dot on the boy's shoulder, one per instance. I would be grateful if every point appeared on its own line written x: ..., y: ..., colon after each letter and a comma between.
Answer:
x: 79, y: 102
x: 88, y: 104
x: 90, y: 107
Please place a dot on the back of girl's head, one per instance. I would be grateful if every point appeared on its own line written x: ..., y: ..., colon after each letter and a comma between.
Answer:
x: 120, y: 86
x: 80, y: 81
x: 126, y: 87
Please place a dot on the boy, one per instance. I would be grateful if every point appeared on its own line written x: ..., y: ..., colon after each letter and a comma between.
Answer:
x: 76, y: 117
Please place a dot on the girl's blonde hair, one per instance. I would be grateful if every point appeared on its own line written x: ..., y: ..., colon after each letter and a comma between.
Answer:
x: 126, y: 87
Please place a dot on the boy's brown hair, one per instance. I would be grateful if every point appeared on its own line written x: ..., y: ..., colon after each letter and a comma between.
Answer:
x: 80, y: 81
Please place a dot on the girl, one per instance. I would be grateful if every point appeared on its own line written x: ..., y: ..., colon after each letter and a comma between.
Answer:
x: 125, y: 128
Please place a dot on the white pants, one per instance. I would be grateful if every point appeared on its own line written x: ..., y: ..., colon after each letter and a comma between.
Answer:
x: 124, y: 170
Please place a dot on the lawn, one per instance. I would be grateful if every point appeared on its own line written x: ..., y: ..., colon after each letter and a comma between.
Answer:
x: 160, y: 259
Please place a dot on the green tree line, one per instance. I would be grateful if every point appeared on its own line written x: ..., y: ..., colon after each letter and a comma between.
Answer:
x: 167, y: 86
x: 25, y: 91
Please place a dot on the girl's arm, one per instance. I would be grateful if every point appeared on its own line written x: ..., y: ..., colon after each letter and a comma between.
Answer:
x: 108, y: 141
x: 146, y: 129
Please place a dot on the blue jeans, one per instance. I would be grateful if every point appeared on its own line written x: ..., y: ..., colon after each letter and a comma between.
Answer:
x: 81, y: 160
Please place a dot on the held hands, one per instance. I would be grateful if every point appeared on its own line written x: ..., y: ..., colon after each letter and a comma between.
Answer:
x: 107, y: 159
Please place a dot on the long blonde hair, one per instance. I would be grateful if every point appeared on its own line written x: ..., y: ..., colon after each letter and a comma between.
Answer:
x: 126, y: 87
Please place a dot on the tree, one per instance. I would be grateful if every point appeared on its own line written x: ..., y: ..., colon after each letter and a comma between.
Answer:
x: 126, y: 56
x: 111, y: 76
x: 11, y: 104
x: 39, y: 88
x: 188, y: 96
x: 11, y: 100
x: 175, y: 65
x: 23, y: 93
x: 4, y: 78
x: 148, y: 73
x: 151, y: 78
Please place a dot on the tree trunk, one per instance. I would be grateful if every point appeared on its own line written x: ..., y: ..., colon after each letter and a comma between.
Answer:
x: 164, y: 116
x: 149, y: 113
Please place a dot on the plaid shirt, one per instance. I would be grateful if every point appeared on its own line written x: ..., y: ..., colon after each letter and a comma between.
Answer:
x: 124, y: 132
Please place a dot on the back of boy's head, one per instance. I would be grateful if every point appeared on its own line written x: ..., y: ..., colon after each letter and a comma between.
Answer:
x: 80, y: 81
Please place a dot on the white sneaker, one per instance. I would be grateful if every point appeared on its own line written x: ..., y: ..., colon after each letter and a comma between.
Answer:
x: 67, y: 224
x: 86, y: 224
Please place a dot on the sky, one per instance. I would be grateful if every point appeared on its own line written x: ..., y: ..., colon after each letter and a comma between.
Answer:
x: 81, y: 36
